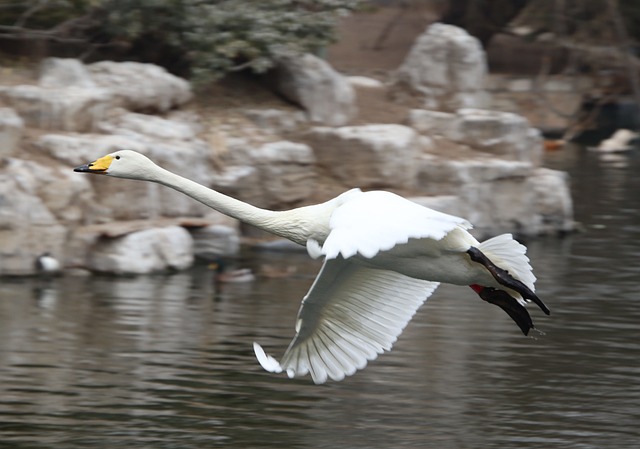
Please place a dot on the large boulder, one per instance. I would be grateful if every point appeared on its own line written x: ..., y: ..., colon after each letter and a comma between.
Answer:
x: 151, y: 126
x: 217, y: 240
x: 140, y: 87
x: 553, y: 205
x: 11, y: 128
x: 64, y: 109
x: 276, y: 119
x: 65, y: 194
x: 27, y: 227
x: 287, y: 173
x: 447, y: 67
x: 147, y: 251
x: 502, y: 134
x: 273, y: 175
x: 312, y: 83
x: 61, y: 73
x: 368, y: 155
x: 445, y: 175
x: 121, y: 199
x: 498, y: 195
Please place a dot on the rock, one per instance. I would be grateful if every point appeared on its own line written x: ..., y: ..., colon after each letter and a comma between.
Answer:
x: 287, y: 173
x: 215, y: 241
x: 142, y: 252
x: 11, y: 128
x: 433, y: 123
x: 27, y: 228
x: 276, y: 175
x: 241, y: 182
x: 135, y: 124
x: 122, y: 199
x: 448, y: 204
x: 447, y: 66
x: 62, y: 73
x: 276, y: 119
x: 442, y: 175
x: 77, y: 149
x: 365, y: 82
x: 553, y: 206
x: 62, y: 192
x: 69, y: 109
x: 621, y: 140
x: 503, y: 134
x: 498, y: 195
x: 550, y: 104
x: 312, y: 83
x: 140, y: 87
x: 370, y: 155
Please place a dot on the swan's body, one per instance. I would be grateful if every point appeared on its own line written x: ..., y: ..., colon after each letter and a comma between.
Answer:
x: 383, y: 257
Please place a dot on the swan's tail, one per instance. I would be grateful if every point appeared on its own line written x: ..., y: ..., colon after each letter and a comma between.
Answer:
x: 509, y: 254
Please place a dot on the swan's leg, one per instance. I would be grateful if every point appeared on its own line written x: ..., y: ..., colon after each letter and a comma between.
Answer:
x: 509, y: 304
x: 504, y: 278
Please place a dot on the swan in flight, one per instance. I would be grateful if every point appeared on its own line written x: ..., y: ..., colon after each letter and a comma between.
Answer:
x: 383, y: 257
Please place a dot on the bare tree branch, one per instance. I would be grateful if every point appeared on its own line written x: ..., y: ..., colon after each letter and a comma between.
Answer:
x: 42, y: 4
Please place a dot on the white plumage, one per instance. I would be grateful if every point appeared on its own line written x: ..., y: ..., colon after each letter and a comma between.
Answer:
x: 384, y: 256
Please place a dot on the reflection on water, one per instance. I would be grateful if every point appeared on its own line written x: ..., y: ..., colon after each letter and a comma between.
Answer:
x: 166, y: 361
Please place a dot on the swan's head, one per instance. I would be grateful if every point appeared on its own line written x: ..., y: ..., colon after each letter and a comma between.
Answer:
x: 121, y: 164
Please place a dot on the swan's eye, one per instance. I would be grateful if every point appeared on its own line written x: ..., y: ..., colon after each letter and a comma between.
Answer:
x: 117, y: 157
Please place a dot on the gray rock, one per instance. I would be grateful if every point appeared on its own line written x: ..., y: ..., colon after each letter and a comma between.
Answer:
x: 286, y: 171
x: 135, y: 124
x: 241, y: 182
x: 433, y: 123
x: 369, y: 155
x: 64, y: 72
x: 621, y: 140
x: 447, y: 67
x: 442, y: 175
x: 140, y: 87
x: 276, y: 119
x: 448, y: 204
x: 11, y: 128
x: 142, y: 252
x: 553, y: 205
x: 77, y: 149
x: 499, y: 195
x: 122, y: 199
x: 27, y: 228
x: 68, y: 109
x: 312, y: 83
x: 215, y: 241
x: 502, y: 134
x: 365, y: 82
x: 61, y: 191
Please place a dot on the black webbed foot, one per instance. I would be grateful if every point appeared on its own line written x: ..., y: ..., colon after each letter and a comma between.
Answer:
x: 504, y: 278
x: 509, y: 304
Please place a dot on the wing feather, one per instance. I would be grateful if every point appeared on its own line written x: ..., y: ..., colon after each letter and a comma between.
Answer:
x: 370, y: 222
x: 351, y: 314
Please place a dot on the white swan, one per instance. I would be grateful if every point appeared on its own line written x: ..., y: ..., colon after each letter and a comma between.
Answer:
x: 383, y: 256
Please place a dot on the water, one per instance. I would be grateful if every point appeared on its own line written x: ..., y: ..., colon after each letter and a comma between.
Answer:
x: 166, y: 361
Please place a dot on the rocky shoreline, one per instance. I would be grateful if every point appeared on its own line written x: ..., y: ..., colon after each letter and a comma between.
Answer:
x: 462, y: 159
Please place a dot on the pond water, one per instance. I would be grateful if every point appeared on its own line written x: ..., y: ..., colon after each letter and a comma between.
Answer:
x: 167, y: 361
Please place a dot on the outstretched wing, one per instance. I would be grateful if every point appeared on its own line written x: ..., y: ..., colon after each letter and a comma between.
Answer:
x: 377, y: 221
x: 350, y: 315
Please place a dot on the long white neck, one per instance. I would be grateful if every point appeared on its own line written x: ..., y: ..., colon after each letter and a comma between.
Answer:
x: 297, y: 225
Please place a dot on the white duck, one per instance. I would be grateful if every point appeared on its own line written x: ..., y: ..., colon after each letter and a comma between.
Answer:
x: 383, y: 257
